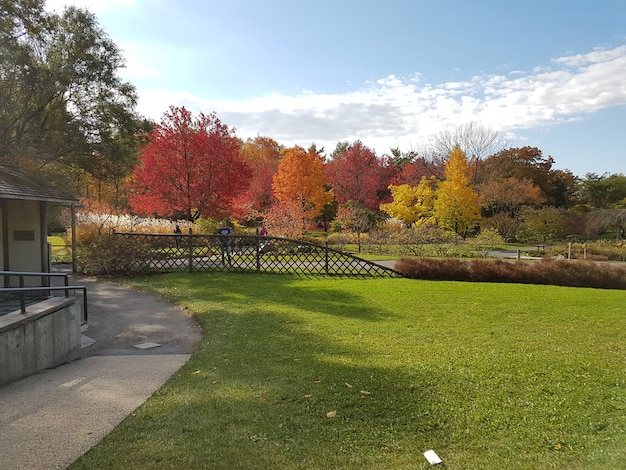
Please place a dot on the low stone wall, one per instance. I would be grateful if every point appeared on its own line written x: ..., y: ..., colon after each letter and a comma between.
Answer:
x: 48, y: 335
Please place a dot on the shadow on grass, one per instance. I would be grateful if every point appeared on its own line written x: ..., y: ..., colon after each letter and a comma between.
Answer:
x: 281, y: 287
x: 279, y: 355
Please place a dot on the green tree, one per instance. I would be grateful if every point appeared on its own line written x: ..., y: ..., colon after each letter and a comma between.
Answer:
x: 61, y: 99
x: 602, y: 191
x: 542, y: 225
x: 456, y: 206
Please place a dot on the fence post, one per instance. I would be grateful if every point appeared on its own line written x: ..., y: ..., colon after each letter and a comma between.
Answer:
x: 22, y: 301
x: 258, y: 251
x: 326, y: 256
x: 190, y: 246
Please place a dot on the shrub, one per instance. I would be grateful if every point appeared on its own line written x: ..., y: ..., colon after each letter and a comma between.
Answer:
x: 491, y: 271
x: 434, y: 269
x: 338, y: 240
x: 612, y: 250
x: 115, y: 255
x: 425, y: 239
x: 488, y: 239
x: 551, y: 272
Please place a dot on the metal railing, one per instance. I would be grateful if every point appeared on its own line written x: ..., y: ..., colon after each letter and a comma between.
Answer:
x: 46, y: 289
x: 195, y: 252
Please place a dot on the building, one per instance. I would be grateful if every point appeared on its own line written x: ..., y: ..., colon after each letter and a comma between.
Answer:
x: 46, y: 333
x: 24, y: 203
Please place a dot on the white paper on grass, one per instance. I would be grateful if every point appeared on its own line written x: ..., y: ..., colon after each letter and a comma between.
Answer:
x: 432, y: 457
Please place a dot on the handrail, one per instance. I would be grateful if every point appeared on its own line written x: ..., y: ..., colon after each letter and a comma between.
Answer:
x: 22, y: 290
x: 33, y: 273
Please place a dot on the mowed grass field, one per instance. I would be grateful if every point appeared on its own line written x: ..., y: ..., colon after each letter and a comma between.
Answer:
x: 316, y: 373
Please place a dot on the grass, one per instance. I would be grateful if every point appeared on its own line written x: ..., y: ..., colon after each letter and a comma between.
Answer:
x: 490, y: 376
x: 61, y: 249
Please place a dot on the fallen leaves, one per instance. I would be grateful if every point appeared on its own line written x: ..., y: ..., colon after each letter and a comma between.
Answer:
x: 363, y: 393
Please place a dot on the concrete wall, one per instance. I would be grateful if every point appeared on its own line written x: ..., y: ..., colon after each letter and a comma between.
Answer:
x: 48, y: 335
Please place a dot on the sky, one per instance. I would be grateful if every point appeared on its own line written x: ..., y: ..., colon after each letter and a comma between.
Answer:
x: 391, y: 73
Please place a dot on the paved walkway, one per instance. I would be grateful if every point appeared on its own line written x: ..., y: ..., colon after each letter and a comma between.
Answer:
x: 50, y: 419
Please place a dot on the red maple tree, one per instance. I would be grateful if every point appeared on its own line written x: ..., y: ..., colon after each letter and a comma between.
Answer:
x: 413, y: 172
x: 262, y: 155
x: 189, y: 165
x: 356, y: 174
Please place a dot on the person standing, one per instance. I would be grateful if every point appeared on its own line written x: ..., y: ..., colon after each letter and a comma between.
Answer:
x: 225, y: 232
x: 177, y: 232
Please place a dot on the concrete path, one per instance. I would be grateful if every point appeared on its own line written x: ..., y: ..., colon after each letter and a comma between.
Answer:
x: 50, y: 419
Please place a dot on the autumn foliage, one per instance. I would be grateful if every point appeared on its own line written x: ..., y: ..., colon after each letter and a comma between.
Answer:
x: 356, y: 174
x: 189, y: 165
x: 300, y: 184
x: 195, y: 166
x: 412, y: 203
x: 548, y: 272
x: 262, y: 155
x: 456, y: 206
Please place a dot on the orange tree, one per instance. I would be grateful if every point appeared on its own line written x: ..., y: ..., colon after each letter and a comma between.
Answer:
x: 300, y: 184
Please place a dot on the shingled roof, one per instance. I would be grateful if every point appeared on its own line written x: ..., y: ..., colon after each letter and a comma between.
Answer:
x: 19, y: 184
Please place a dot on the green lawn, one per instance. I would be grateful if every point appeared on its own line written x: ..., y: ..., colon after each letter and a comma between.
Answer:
x: 490, y: 376
x: 61, y: 249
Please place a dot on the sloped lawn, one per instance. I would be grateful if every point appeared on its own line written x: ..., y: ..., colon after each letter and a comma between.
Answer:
x: 315, y: 373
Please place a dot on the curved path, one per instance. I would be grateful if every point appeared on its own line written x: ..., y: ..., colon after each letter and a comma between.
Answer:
x: 50, y: 419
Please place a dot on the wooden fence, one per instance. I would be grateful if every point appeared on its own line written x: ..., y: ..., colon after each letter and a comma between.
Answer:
x: 194, y: 252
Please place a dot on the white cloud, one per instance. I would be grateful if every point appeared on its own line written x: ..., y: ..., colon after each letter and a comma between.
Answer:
x: 399, y: 112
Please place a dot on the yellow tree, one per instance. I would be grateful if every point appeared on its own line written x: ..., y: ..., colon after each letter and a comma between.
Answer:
x: 411, y: 203
x: 456, y: 206
x: 300, y: 184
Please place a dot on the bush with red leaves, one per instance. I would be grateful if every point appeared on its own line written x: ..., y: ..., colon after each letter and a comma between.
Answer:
x: 551, y: 272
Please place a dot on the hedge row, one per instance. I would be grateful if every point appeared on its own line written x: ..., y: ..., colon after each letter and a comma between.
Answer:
x: 552, y: 272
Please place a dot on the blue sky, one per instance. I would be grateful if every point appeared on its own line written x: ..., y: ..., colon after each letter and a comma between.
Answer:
x: 391, y: 73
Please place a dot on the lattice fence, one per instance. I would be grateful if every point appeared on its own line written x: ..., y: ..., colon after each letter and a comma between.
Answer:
x: 249, y: 253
